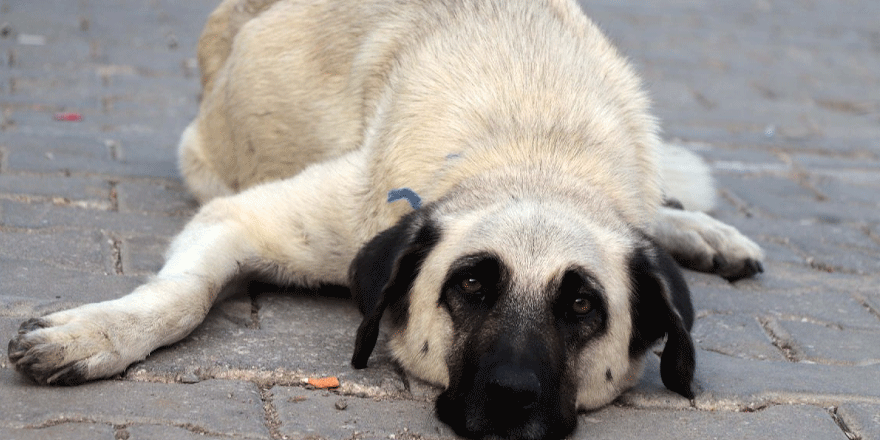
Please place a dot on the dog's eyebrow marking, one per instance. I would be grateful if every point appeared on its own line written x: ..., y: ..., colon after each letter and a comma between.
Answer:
x: 425, y: 348
x: 608, y: 375
x: 405, y: 193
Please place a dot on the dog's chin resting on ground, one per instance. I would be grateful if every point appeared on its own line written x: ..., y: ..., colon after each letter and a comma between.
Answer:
x: 485, y: 174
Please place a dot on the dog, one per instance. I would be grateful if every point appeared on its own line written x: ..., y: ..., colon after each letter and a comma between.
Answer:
x: 487, y: 172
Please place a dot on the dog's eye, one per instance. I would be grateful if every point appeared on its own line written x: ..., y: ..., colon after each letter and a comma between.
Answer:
x: 472, y: 290
x: 475, y: 282
x: 470, y: 286
x: 579, y: 298
x: 581, y: 306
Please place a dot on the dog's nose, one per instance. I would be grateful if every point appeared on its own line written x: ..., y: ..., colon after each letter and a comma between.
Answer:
x: 513, y: 388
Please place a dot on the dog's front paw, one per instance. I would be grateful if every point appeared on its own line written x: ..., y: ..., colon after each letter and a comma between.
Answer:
x: 53, y: 352
x: 738, y: 269
x: 700, y: 242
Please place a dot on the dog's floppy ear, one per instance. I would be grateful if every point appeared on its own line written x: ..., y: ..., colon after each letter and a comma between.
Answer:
x: 383, y: 272
x: 662, y: 305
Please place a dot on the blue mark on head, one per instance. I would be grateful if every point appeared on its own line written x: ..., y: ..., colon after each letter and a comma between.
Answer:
x: 405, y: 193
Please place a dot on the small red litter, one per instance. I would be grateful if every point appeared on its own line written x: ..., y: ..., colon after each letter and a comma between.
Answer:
x: 68, y: 116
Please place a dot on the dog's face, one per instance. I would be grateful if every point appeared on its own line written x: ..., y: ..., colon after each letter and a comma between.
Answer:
x: 525, y: 311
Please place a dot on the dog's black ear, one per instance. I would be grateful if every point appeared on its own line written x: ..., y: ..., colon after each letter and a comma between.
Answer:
x: 662, y: 306
x: 383, y: 272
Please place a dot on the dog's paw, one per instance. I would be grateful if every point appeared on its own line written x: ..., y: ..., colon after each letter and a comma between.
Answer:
x: 55, y: 350
x: 700, y: 242
x: 738, y: 269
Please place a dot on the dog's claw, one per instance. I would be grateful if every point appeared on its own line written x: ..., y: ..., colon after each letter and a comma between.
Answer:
x: 748, y: 268
x: 19, y: 346
x: 756, y: 266
x: 32, y: 355
x: 31, y: 325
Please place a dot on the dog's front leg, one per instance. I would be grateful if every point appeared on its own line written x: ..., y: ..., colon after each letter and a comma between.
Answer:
x: 700, y: 242
x: 292, y: 231
x: 102, y: 339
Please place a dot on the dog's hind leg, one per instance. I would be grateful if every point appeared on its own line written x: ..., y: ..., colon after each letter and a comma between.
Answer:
x: 201, y: 179
x: 686, y: 178
x: 292, y: 231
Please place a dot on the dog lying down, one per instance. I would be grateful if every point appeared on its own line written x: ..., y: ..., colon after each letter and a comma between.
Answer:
x: 487, y: 172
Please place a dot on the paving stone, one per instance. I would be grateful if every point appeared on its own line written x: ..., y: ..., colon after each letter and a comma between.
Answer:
x: 80, y: 250
x: 863, y: 182
x: 703, y: 132
x: 66, y: 431
x: 225, y: 339
x: 777, y: 422
x: 156, y: 197
x: 213, y: 407
x: 314, y: 414
x: 840, y: 247
x: 87, y: 191
x: 42, y: 149
x: 774, y: 197
x: 143, y: 254
x: 843, y: 166
x: 725, y: 383
x: 650, y: 392
x: 58, y: 153
x: 51, y: 216
x: 871, y: 300
x: 727, y: 380
x: 777, y: 276
x: 859, y: 192
x: 830, y: 242
x: 778, y: 249
x: 31, y: 288
x: 862, y: 419
x: 735, y: 335
x: 793, y: 303
x: 767, y: 192
x: 323, y: 330
x: 738, y: 161
x: 300, y: 335
x: 8, y: 328
x: 827, y: 245
x: 832, y: 344
x: 164, y: 432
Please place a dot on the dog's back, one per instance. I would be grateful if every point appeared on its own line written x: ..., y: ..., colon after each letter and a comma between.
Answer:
x: 287, y: 85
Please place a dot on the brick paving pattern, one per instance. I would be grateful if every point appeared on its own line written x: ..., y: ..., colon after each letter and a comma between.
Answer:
x: 783, y: 99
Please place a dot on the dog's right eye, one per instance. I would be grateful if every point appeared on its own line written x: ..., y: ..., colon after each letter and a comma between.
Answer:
x: 475, y: 282
x: 472, y: 290
x: 470, y: 286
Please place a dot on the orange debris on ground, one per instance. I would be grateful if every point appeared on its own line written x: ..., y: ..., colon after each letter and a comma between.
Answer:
x: 324, y: 382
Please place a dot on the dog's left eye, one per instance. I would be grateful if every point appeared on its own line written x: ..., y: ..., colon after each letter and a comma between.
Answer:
x: 579, y: 298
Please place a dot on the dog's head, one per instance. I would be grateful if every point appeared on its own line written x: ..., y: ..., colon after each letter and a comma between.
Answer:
x: 526, y: 311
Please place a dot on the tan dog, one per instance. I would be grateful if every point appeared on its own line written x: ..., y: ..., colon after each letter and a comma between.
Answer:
x: 487, y: 171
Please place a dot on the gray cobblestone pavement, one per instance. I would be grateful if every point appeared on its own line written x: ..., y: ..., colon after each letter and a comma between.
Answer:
x: 782, y: 97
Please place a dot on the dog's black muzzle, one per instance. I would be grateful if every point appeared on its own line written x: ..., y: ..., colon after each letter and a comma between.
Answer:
x: 513, y: 390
